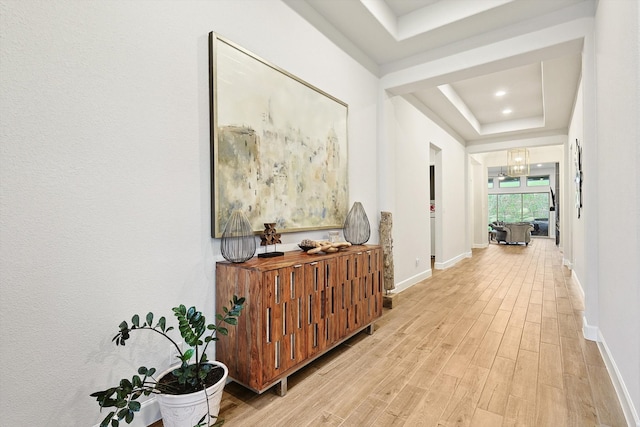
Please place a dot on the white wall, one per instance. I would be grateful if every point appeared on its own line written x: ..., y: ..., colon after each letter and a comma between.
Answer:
x: 413, y: 135
x: 455, y: 227
x: 405, y: 148
x: 618, y: 137
x: 574, y: 253
x: 605, y: 263
x: 104, y: 179
x: 411, y: 218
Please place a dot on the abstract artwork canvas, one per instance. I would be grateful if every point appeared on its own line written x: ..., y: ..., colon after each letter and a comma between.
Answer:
x: 279, y: 145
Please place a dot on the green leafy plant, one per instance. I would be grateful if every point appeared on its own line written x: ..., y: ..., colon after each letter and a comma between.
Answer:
x: 189, y: 377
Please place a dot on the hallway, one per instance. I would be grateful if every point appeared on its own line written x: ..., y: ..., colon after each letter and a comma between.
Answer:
x: 493, y: 341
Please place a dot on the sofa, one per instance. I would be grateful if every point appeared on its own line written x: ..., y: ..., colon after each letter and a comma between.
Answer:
x: 512, y: 232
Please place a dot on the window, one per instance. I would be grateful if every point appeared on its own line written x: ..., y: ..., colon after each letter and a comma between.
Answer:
x: 517, y: 207
x: 510, y: 207
x: 490, y: 183
x: 509, y: 182
x: 493, y: 207
x: 536, y: 205
x: 538, y: 181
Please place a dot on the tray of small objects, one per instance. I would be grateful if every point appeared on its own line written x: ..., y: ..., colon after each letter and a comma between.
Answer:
x: 316, y: 246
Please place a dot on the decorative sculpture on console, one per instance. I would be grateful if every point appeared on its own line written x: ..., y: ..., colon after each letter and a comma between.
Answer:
x: 270, y: 236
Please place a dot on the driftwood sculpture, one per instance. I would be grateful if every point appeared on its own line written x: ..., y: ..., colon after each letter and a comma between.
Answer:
x: 386, y: 240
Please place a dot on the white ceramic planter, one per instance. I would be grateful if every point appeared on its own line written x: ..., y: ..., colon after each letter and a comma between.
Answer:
x: 185, y: 410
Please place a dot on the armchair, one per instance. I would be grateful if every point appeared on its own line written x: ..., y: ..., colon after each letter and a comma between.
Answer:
x: 515, y: 232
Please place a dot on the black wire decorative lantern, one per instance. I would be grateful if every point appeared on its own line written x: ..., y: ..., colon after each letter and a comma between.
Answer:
x: 357, y: 229
x: 238, y: 244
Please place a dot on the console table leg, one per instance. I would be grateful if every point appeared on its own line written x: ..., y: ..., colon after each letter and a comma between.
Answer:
x: 370, y: 329
x: 281, y: 387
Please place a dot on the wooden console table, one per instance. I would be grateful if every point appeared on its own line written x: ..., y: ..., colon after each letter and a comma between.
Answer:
x: 298, y: 307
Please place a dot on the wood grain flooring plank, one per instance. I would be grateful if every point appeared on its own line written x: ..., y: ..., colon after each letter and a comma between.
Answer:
x: 564, y: 306
x: 428, y: 411
x: 459, y: 331
x: 493, y: 305
x: 551, y: 407
x: 500, y: 321
x: 581, y: 411
x: 360, y: 389
x: 392, y: 384
x: 425, y: 373
x: 518, y: 316
x: 549, y: 330
x: 534, y: 313
x: 550, y: 368
x: 486, y: 352
x: 549, y: 309
x: 573, y: 362
x: 604, y: 397
x: 326, y: 419
x: 536, y: 297
x: 549, y: 291
x: 459, y: 410
x: 461, y: 358
x: 510, y: 344
x: 519, y: 413
x: 365, y: 414
x: 530, y: 337
x: 591, y: 353
x: 525, y: 376
x: 508, y: 302
x: 567, y: 325
x: 498, y: 386
x: 401, y: 407
x: 482, y: 418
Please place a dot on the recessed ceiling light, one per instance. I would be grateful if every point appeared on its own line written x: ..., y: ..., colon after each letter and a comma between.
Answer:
x: 500, y: 93
x: 507, y: 111
x: 539, y: 165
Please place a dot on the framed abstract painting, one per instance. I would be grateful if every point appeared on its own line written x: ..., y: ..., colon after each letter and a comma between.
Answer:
x: 278, y: 145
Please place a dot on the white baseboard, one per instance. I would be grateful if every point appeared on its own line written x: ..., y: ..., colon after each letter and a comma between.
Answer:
x: 589, y: 332
x: 630, y: 412
x: 453, y: 261
x: 574, y: 276
x: 406, y: 284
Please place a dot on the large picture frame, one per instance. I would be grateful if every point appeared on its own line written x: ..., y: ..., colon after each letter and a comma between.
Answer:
x: 579, y: 176
x: 278, y: 145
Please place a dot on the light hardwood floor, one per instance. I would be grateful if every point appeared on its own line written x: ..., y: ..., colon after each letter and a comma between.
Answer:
x: 493, y: 341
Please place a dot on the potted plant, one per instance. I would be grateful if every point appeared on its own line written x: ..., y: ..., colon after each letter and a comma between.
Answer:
x: 194, y: 379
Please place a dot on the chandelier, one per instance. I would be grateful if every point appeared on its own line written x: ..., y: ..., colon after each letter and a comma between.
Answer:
x: 518, y: 162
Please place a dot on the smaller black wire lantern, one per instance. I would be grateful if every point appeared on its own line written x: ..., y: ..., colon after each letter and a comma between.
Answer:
x: 357, y: 229
x: 238, y: 243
